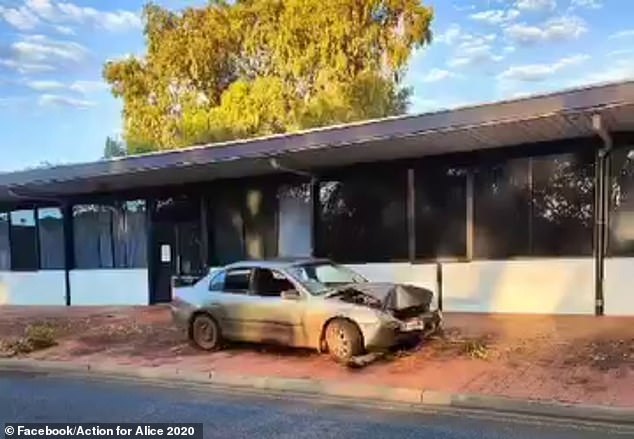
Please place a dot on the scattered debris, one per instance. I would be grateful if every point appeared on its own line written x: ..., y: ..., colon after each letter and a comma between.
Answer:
x: 36, y: 337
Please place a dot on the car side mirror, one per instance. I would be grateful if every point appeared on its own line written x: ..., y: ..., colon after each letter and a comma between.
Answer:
x: 290, y: 295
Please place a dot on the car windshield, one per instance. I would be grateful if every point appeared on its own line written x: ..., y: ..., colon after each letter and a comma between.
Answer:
x: 320, y: 278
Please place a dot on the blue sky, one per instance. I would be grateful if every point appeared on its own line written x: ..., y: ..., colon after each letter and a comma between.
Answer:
x: 55, y: 108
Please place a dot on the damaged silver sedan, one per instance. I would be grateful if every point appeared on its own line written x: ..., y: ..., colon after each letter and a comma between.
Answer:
x: 302, y: 303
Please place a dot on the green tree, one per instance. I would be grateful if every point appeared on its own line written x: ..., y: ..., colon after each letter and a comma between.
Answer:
x: 113, y: 148
x: 256, y: 67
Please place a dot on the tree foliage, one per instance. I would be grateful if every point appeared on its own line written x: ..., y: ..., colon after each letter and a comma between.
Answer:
x: 257, y: 67
x: 113, y: 148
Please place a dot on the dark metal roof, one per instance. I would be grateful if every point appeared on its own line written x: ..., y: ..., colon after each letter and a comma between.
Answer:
x: 556, y: 116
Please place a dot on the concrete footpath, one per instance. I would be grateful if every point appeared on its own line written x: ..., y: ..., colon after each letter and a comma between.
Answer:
x: 328, y: 389
x: 581, y: 365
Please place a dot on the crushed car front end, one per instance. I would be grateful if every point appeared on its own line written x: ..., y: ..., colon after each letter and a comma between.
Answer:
x: 400, y: 312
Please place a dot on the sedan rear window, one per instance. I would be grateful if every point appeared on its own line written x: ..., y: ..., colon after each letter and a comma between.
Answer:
x: 217, y: 282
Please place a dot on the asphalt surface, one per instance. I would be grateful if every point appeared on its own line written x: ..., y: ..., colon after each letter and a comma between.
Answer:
x: 26, y: 397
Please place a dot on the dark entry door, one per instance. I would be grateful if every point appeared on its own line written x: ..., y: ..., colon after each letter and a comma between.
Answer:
x: 178, y: 251
x: 163, y: 258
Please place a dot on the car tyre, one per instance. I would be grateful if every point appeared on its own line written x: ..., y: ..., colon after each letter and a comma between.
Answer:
x: 344, y: 340
x: 205, y: 333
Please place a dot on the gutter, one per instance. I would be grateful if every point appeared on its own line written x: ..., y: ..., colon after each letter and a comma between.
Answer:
x: 602, y: 209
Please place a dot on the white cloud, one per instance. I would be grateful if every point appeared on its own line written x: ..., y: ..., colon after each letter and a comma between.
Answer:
x: 53, y: 100
x: 464, y: 8
x: 451, y: 35
x: 45, y: 85
x: 81, y: 87
x: 436, y: 75
x: 43, y: 8
x: 520, y: 94
x: 495, y: 16
x: 557, y: 29
x: 25, y: 67
x: 474, y: 50
x: 536, y: 5
x: 616, y: 71
x: 41, y: 49
x: 21, y: 18
x: 65, y: 30
x: 87, y: 87
x: 588, y: 4
x: 621, y: 52
x: 33, y: 12
x: 627, y: 33
x: 540, y: 72
x: 113, y: 21
x: 38, y: 53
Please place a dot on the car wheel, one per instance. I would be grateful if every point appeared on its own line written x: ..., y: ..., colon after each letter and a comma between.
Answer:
x: 205, y: 332
x: 344, y: 340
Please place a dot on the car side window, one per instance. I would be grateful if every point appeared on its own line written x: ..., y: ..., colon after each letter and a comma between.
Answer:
x: 237, y: 281
x: 270, y: 283
x: 217, y: 282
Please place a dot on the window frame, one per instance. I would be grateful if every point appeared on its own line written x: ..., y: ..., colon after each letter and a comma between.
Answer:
x: 6, y: 213
x: 274, y: 272
x: 397, y: 172
x: 616, y: 249
x: 39, y: 239
x: 35, y: 249
x: 117, y: 210
x: 492, y: 158
x: 249, y: 287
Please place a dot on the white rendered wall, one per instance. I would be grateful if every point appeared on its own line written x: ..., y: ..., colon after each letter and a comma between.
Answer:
x: 32, y: 288
x: 542, y: 286
x: 618, y: 287
x: 109, y: 287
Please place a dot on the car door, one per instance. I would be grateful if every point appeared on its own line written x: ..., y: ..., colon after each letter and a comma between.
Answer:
x: 231, y: 296
x: 280, y: 318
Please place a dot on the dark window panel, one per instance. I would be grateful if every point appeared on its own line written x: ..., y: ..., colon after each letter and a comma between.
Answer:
x: 189, y: 242
x: 5, y: 249
x: 441, y: 212
x: 227, y: 227
x: 260, y: 237
x: 363, y: 217
x: 622, y: 205
x: 51, y: 233
x: 502, y: 209
x: 563, y: 205
x: 24, y: 253
x: 93, y: 240
x: 130, y: 235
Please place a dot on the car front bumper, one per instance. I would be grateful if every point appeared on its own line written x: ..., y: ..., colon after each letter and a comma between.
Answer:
x: 386, y: 335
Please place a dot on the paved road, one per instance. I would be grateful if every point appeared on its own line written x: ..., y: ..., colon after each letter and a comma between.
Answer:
x: 41, y: 398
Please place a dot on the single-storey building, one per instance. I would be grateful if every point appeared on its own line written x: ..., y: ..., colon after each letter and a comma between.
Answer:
x: 522, y: 206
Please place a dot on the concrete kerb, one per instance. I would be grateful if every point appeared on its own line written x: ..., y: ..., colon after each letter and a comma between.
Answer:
x: 335, y: 389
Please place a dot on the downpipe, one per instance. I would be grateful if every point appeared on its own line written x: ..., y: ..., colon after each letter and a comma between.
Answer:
x: 602, y: 206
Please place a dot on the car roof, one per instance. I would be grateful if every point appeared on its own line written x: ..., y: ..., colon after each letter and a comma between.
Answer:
x: 279, y: 263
